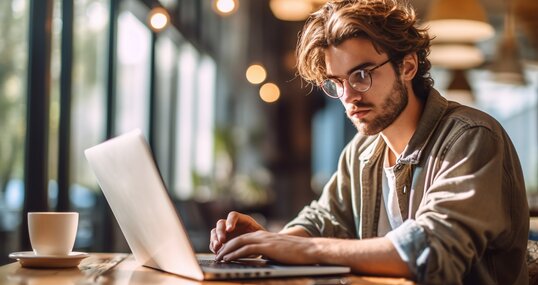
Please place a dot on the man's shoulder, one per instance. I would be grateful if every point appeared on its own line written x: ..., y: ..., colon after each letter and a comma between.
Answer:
x: 469, y: 117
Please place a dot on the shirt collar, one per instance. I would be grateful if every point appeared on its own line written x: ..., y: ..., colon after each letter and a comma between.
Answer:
x: 434, y: 110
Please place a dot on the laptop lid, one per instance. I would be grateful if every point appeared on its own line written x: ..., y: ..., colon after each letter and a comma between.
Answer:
x: 131, y: 183
x: 133, y: 188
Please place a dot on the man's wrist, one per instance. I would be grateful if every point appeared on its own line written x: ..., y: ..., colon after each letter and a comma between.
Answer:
x: 296, y: 231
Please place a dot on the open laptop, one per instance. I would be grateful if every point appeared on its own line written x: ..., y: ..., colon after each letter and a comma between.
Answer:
x: 129, y: 178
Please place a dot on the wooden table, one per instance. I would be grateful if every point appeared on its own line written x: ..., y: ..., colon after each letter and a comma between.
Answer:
x: 113, y: 269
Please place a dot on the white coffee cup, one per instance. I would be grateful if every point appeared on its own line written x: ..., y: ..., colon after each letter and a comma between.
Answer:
x: 52, y: 233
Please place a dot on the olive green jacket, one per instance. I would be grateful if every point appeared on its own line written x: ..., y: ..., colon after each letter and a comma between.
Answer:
x: 460, y: 190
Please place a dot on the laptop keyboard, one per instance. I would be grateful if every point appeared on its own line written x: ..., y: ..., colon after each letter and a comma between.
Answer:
x: 254, y: 268
x: 232, y: 264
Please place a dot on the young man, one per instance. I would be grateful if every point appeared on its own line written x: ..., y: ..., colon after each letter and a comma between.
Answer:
x: 428, y: 189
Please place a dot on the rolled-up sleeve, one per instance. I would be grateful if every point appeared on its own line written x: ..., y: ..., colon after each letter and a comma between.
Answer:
x: 411, y: 243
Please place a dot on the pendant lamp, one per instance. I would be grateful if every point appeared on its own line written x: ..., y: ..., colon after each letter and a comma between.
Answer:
x: 456, y: 55
x: 459, y: 89
x: 458, y: 21
x: 507, y: 67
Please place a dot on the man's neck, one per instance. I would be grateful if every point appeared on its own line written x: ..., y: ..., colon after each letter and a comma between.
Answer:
x: 399, y: 133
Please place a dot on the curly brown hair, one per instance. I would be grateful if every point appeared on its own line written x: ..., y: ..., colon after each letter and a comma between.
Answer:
x: 391, y: 25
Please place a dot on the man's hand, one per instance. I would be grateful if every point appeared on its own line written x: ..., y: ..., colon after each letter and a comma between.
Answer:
x: 278, y: 247
x: 236, y: 224
x: 375, y: 256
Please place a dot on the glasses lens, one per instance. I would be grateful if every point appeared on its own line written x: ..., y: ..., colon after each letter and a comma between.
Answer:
x: 332, y: 88
x: 360, y: 80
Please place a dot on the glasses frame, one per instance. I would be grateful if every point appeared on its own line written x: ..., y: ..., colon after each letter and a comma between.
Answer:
x: 340, y: 82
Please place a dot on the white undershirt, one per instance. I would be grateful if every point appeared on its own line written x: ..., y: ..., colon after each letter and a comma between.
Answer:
x: 390, y: 216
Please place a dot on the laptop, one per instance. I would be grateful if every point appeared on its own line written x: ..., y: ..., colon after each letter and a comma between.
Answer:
x: 133, y: 187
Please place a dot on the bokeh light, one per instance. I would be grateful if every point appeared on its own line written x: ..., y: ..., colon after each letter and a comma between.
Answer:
x: 225, y: 7
x: 256, y: 74
x: 269, y: 92
x: 158, y: 19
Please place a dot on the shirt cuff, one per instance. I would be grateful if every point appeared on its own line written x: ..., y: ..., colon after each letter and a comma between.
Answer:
x: 410, y: 241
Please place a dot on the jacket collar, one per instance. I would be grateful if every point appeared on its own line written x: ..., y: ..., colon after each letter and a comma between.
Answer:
x: 434, y: 110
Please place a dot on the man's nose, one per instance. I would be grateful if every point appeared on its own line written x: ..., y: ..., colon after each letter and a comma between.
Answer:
x: 350, y: 94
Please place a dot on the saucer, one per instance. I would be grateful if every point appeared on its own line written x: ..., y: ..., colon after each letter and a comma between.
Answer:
x: 30, y: 259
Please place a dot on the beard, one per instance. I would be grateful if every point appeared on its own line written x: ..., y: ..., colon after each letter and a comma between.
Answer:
x: 391, y: 108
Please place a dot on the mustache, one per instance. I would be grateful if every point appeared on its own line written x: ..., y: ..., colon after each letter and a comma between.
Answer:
x: 361, y: 104
x: 356, y: 106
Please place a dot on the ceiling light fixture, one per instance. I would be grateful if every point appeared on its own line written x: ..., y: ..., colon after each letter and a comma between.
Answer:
x: 456, y: 56
x: 458, y: 21
x: 459, y: 89
x: 158, y: 19
x: 225, y: 7
x: 507, y: 67
x: 526, y: 11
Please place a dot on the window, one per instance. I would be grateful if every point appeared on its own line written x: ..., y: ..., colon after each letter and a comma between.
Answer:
x: 13, y: 67
x: 166, y: 82
x: 132, y: 101
x: 188, y: 58
x: 195, y: 123
x: 204, y: 130
x: 54, y: 108
x: 88, y: 115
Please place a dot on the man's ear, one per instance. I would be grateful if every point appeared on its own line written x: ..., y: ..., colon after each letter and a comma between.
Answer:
x: 409, y: 66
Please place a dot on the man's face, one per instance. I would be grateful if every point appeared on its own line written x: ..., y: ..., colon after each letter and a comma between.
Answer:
x: 377, y: 108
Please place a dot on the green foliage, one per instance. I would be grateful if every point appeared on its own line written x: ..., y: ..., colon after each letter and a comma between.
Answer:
x: 13, y: 63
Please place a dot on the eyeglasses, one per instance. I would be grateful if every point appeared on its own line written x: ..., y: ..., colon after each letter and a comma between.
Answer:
x: 360, y: 80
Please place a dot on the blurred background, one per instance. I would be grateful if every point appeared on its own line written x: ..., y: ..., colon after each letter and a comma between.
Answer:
x: 213, y: 86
